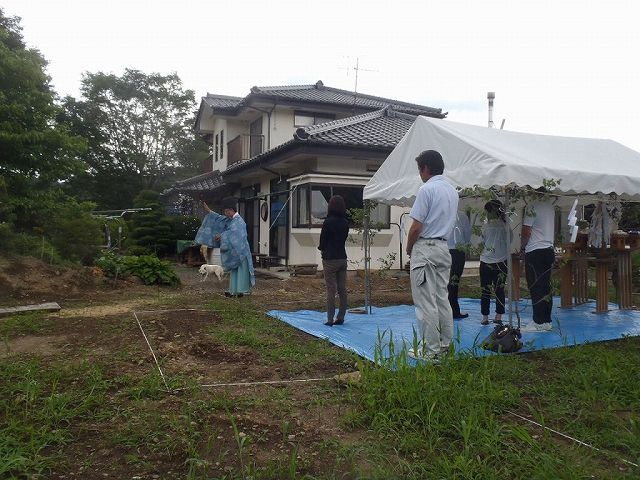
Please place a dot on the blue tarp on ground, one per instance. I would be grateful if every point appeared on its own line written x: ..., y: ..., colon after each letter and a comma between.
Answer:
x: 571, y: 326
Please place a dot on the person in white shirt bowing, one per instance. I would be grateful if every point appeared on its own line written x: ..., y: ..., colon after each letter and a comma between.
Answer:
x: 537, y: 246
x: 493, y: 261
x: 434, y: 215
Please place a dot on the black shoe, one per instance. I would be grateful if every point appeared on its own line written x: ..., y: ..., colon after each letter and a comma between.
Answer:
x: 227, y: 294
x: 339, y: 322
x: 239, y: 295
x: 460, y: 316
x: 329, y: 324
x: 499, y: 322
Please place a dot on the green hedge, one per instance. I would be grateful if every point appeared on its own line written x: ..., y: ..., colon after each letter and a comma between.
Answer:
x: 149, y: 268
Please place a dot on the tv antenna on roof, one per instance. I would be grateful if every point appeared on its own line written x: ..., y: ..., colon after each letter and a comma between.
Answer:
x: 357, y: 69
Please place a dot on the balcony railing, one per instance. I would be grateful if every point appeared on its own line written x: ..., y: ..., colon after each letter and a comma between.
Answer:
x: 244, y: 147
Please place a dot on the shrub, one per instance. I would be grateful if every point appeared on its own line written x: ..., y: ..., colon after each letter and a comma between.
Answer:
x: 138, y: 250
x: 111, y: 264
x: 148, y: 228
x: 76, y: 234
x: 182, y: 228
x: 149, y: 268
x: 19, y: 243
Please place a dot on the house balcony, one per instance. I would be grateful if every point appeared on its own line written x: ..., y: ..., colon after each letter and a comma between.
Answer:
x: 244, y: 147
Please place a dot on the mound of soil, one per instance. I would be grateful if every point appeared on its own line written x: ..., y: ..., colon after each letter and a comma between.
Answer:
x: 24, y: 279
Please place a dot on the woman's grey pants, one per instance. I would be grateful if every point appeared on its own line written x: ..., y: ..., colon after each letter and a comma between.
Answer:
x: 335, y: 276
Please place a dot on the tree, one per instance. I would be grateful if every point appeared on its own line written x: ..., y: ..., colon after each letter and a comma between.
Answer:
x: 37, y: 154
x: 139, y: 129
x: 149, y: 229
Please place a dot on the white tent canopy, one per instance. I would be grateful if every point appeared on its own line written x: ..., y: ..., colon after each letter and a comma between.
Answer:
x: 490, y: 157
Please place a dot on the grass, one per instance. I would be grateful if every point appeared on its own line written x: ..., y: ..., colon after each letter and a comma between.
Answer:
x: 28, y: 323
x: 242, y: 325
x: 38, y: 405
x: 453, y: 419
x: 445, y: 421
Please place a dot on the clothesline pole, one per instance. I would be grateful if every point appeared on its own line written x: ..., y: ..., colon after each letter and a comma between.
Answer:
x: 509, y: 280
x: 367, y: 269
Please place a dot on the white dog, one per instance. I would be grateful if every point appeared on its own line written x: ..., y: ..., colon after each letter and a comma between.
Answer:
x: 205, y: 270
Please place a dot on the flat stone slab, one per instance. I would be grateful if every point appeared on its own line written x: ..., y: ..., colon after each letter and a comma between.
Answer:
x: 270, y: 273
x: 50, y: 306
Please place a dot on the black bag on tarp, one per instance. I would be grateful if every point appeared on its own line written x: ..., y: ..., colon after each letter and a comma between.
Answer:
x: 503, y: 339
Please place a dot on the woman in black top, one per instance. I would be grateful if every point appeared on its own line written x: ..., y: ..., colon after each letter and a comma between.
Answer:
x: 335, y: 231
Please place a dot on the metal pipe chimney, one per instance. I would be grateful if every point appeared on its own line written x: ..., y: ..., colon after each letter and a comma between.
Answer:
x: 490, y: 97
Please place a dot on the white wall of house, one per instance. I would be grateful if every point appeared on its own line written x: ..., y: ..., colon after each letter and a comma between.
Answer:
x: 303, y: 241
x: 303, y: 246
x: 282, y: 128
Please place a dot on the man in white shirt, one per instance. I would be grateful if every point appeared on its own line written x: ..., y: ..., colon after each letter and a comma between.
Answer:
x: 458, y: 243
x: 434, y: 216
x: 537, y: 245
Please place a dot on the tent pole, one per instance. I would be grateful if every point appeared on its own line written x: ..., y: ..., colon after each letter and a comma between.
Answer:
x: 509, y: 280
x: 367, y: 269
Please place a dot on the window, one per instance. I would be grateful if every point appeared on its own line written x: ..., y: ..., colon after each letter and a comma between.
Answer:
x: 310, y: 204
x: 301, y: 212
x: 216, y: 149
x: 221, y: 144
x: 306, y: 119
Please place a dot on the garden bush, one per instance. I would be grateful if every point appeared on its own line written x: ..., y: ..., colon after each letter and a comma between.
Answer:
x: 18, y: 243
x: 149, y: 268
x: 148, y: 228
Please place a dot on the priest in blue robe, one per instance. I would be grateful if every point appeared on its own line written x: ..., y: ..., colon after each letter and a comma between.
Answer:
x: 234, y: 247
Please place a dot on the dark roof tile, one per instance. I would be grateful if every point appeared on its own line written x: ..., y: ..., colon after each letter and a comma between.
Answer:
x: 317, y: 93
x: 205, y: 182
x: 379, y: 129
x: 222, y: 102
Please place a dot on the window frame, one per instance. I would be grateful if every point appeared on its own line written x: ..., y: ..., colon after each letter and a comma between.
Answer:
x: 327, y: 117
x: 308, y: 187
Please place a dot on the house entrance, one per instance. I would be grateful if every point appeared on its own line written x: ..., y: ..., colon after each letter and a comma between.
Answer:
x: 249, y: 207
x: 279, y: 232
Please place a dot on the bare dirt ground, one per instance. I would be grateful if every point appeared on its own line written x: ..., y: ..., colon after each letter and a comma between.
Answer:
x: 195, y: 343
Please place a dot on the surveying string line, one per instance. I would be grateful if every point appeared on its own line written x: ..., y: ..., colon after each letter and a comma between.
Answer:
x: 152, y: 352
x: 580, y: 442
x: 251, y: 384
x: 174, y: 310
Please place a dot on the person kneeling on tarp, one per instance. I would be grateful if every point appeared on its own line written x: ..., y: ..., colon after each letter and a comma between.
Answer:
x: 234, y: 250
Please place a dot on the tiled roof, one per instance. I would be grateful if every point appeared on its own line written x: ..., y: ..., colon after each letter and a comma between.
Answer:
x: 202, y: 183
x: 316, y: 94
x: 319, y: 93
x: 380, y: 130
x: 222, y: 102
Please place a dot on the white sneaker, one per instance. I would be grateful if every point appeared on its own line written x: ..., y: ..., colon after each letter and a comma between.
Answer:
x: 536, y: 327
x: 544, y: 327
x: 412, y: 353
x: 419, y: 356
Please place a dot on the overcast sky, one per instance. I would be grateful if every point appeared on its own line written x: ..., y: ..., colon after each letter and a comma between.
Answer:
x: 557, y: 67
